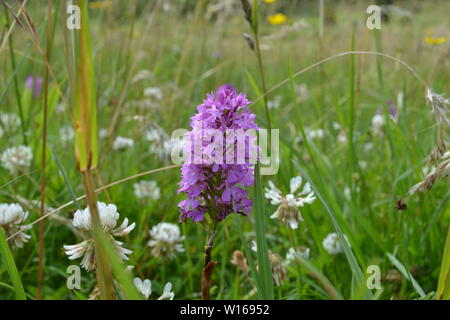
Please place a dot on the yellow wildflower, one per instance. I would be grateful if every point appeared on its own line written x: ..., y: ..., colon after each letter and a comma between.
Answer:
x: 434, y: 41
x: 269, y: 1
x: 277, y: 19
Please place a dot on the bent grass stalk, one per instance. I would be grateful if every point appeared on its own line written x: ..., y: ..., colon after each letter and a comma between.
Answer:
x: 139, y: 175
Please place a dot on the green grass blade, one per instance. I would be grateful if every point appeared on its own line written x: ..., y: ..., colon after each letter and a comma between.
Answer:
x: 330, y: 289
x: 11, y: 268
x: 65, y: 177
x: 118, y: 268
x: 353, y: 262
x: 402, y: 269
x: 251, y: 261
x: 265, y: 269
x: 84, y: 98
x: 443, y: 290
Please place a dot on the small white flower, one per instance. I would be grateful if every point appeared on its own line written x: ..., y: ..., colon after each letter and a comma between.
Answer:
x: 332, y: 245
x: 314, y: 134
x: 302, y: 92
x: 342, y: 137
x: 294, y: 254
x: 363, y: 164
x: 168, y: 294
x: 368, y: 146
x: 165, y: 240
x: 121, y: 143
x: 289, y: 206
x: 152, y: 92
x: 144, y: 287
x: 17, y: 159
x: 155, y: 134
x: 108, y: 218
x: 274, y: 103
x: 254, y: 246
x: 66, y: 134
x: 103, y: 133
x: 9, y: 121
x: 147, y: 189
x: 60, y: 107
x: 11, y: 217
x: 336, y: 126
x: 378, y: 123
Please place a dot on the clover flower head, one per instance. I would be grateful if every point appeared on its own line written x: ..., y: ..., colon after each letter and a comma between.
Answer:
x: 274, y: 103
x: 11, y: 218
x: 108, y: 219
x: 161, y: 144
x: 278, y: 268
x: 289, y: 206
x: 218, y: 187
x: 9, y: 121
x: 153, y: 92
x: 16, y: 159
x: 378, y: 123
x: 147, y: 190
x: 121, y: 143
x: 66, y: 134
x: 155, y: 134
x: 165, y: 240
x: 332, y: 245
x: 314, y: 134
x: 294, y: 254
x: 342, y: 137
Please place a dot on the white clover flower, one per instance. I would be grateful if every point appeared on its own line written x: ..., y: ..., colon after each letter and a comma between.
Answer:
x: 302, y: 92
x: 171, y: 146
x: 108, y: 218
x: 153, y: 92
x: 165, y: 240
x: 121, y: 143
x: 378, y: 123
x: 294, y: 254
x: 368, y: 146
x: 332, y: 245
x: 342, y: 137
x: 363, y: 164
x: 274, y: 103
x: 66, y: 134
x: 17, y: 159
x: 9, y: 121
x: 147, y: 189
x: 336, y: 126
x: 254, y: 246
x: 144, y: 287
x: 103, y: 133
x: 289, y: 206
x: 168, y: 294
x: 155, y: 134
x: 11, y: 217
x: 314, y: 134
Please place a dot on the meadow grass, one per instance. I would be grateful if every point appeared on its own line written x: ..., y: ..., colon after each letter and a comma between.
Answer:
x: 136, y: 45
